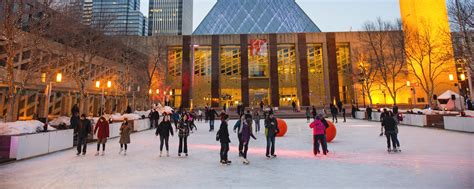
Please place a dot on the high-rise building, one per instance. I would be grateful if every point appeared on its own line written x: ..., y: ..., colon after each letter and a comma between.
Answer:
x: 255, y: 16
x: 115, y: 17
x: 170, y: 17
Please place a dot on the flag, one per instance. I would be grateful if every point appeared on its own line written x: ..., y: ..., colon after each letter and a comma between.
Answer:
x: 258, y: 47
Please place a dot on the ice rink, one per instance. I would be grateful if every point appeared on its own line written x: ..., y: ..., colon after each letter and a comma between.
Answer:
x: 431, y: 158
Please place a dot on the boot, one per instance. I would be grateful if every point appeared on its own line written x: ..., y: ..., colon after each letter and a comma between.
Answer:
x: 96, y: 154
x: 121, y: 150
x: 161, y: 153
x: 167, y: 154
x: 103, y: 153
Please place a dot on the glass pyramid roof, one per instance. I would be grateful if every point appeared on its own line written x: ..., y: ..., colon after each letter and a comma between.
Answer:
x: 255, y: 16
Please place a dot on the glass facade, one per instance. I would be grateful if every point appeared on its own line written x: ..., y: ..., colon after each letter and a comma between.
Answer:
x: 230, y: 76
x: 259, y: 78
x: 202, y: 77
x: 344, y: 71
x: 287, y: 75
x: 251, y: 16
x: 174, y: 78
x: 317, y: 92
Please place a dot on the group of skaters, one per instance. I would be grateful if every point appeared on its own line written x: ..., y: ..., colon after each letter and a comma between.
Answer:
x: 335, y: 110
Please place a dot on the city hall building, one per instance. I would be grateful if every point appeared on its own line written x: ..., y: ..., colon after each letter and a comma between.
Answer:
x: 269, y: 51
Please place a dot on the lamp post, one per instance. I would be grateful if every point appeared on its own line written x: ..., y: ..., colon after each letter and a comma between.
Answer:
x: 133, y: 95
x: 97, y: 85
x: 457, y: 85
x: 49, y: 89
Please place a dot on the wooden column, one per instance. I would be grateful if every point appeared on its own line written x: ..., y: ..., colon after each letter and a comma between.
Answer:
x: 274, y: 86
x: 244, y: 69
x: 303, y: 57
x: 186, y: 73
x: 215, y: 85
x: 332, y: 67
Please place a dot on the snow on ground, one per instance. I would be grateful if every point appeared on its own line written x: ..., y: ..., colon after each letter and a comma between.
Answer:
x: 22, y: 127
x: 431, y: 158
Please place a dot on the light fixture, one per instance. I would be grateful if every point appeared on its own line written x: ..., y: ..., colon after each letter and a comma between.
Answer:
x: 462, y: 77
x: 43, y: 77
x: 59, y: 77
x: 109, y: 84
x: 157, y: 91
x: 408, y: 83
x: 149, y: 91
x: 97, y: 84
x: 451, y: 77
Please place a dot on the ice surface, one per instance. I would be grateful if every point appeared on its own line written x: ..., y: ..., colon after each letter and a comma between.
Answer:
x: 22, y: 127
x: 431, y: 158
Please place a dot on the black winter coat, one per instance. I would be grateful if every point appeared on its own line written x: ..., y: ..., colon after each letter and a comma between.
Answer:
x: 84, y: 128
x: 75, y: 121
x: 223, y: 133
x: 272, y: 127
x: 164, y: 129
x: 389, y: 124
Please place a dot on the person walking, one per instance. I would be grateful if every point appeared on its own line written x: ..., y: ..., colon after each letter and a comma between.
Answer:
x: 102, y: 130
x: 183, y: 134
x: 319, y: 136
x: 256, y: 117
x: 246, y: 133
x: 308, y: 115
x: 212, y: 116
x: 82, y: 132
x: 164, y: 130
x: 223, y: 137
x: 125, y: 131
x: 390, y: 126
x: 271, y: 130
x: 333, y: 112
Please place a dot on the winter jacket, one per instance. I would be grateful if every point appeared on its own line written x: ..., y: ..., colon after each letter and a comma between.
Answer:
x: 223, y: 133
x: 183, y: 129
x: 84, y: 128
x: 318, y: 127
x: 389, y: 124
x: 164, y: 129
x: 237, y: 125
x: 246, y: 131
x: 125, y: 132
x: 103, y: 128
x: 175, y: 116
x: 271, y: 127
x: 212, y: 114
x: 75, y: 121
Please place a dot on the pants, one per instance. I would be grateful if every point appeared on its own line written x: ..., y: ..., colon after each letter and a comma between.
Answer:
x: 176, y: 124
x: 369, y: 115
x: 320, y: 139
x: 103, y: 146
x: 308, y: 119
x: 81, y: 144
x: 224, y: 151
x: 183, y: 144
x: 344, y: 116
x: 241, y: 144
x: 393, y: 137
x: 257, y: 125
x: 123, y: 145
x: 245, y: 149
x: 211, y: 124
x: 164, y: 140
x: 270, y: 144
x: 334, y: 117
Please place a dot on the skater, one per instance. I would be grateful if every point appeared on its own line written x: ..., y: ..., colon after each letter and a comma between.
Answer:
x: 389, y: 124
x: 333, y: 112
x: 199, y: 114
x: 319, y: 135
x: 354, y: 109
x: 256, y: 117
x: 369, y: 113
x: 223, y: 137
x: 308, y: 115
x: 183, y: 136
x: 83, y: 131
x: 175, y: 117
x: 293, y: 104
x: 246, y: 132
x: 237, y: 127
x: 314, y: 112
x: 164, y: 130
x: 344, y: 113
x: 271, y: 130
x: 103, y: 127
x: 212, y: 116
x: 206, y: 114
x: 125, y: 131
x: 339, y: 106
x: 190, y: 120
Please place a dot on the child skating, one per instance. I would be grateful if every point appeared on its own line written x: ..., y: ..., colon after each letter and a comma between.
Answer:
x: 319, y: 135
x: 390, y: 126
x: 164, y: 130
x: 125, y: 131
x: 246, y: 133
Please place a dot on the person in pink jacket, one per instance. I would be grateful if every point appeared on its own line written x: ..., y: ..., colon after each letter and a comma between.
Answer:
x: 319, y: 135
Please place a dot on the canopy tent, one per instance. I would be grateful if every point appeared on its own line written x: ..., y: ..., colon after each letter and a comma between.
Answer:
x: 446, y: 102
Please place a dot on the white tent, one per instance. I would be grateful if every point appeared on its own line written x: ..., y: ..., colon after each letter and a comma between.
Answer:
x: 445, y: 101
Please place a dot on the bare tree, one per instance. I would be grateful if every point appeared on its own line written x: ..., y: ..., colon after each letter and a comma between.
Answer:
x: 156, y: 67
x: 367, y: 73
x: 428, y: 57
x: 385, y: 47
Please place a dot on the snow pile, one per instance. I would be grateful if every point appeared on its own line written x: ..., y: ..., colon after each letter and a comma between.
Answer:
x: 22, y: 127
x: 118, y: 117
x: 60, y: 120
x: 142, y: 113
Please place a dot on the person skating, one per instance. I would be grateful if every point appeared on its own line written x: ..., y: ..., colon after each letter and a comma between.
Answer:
x: 246, y: 132
x: 319, y: 136
x: 83, y: 130
x: 183, y: 134
x: 308, y: 115
x: 237, y: 127
x: 344, y: 113
x: 293, y: 104
x: 223, y: 137
x: 102, y: 130
x: 314, y: 112
x: 271, y: 130
x: 389, y: 125
x: 333, y: 112
x: 369, y: 113
x: 164, y: 130
x: 175, y: 117
x: 256, y: 117
x: 353, y: 111
x: 125, y: 131
x: 212, y: 116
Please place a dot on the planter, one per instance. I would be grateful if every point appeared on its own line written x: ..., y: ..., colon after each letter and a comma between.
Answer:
x: 30, y: 145
x: 60, y: 140
x: 465, y: 124
x: 376, y: 116
x: 141, y: 124
x: 414, y: 120
x: 114, y: 129
x: 360, y: 115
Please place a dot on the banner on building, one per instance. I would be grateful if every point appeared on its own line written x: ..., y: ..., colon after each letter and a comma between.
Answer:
x: 258, y: 47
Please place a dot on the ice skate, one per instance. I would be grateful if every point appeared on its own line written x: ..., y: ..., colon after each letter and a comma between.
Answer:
x: 389, y: 150
x: 96, y: 154
x: 125, y: 152
x: 120, y: 152
x: 245, y: 161
x: 223, y: 162
x: 268, y: 156
x: 179, y: 154
x: 228, y: 162
x: 167, y: 154
x: 78, y: 154
x: 274, y: 156
x: 103, y: 153
x: 83, y: 153
x: 161, y: 153
x: 186, y: 154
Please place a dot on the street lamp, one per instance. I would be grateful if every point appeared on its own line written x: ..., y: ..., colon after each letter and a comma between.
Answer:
x: 457, y: 85
x: 97, y: 85
x: 49, y: 89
